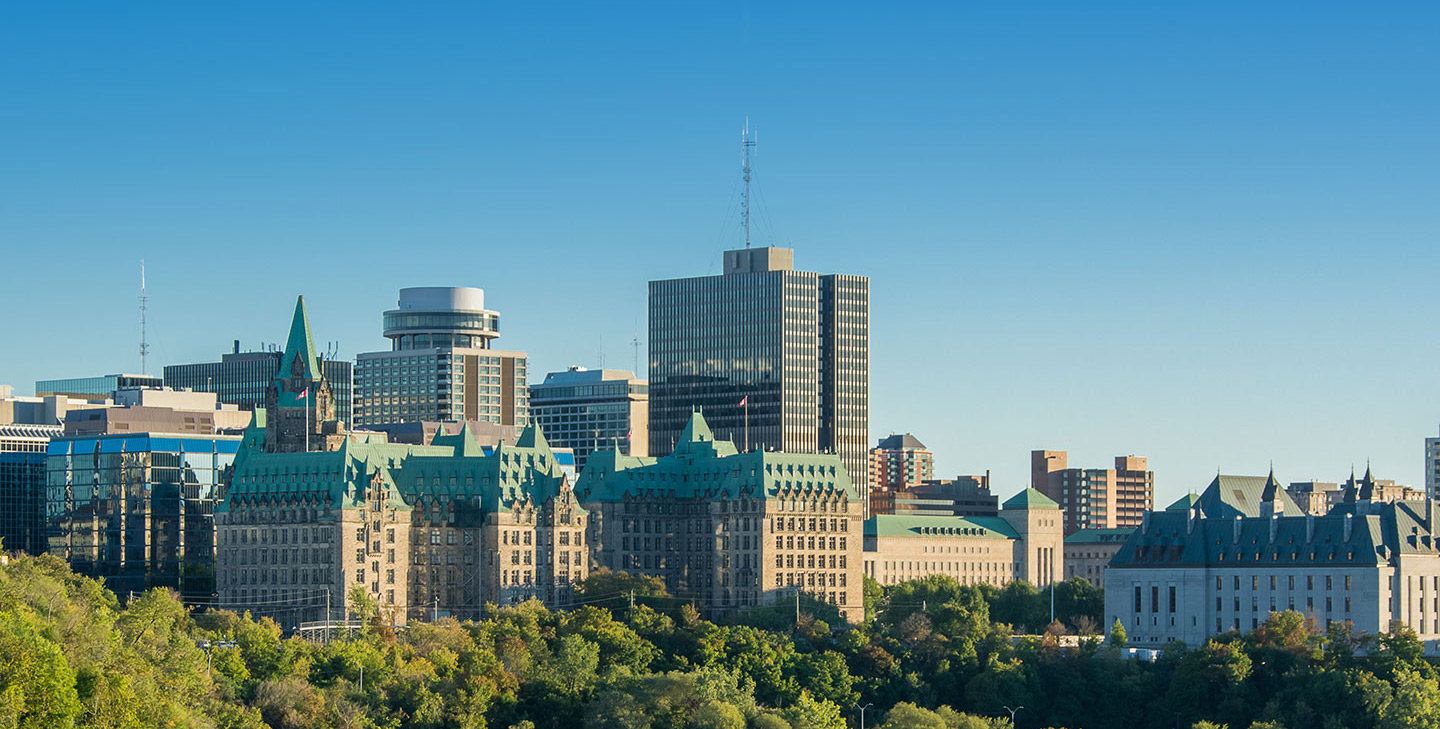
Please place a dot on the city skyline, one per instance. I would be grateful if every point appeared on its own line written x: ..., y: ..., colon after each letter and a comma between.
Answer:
x: 1211, y: 287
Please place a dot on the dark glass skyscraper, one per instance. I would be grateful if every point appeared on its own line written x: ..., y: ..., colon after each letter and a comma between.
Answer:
x: 792, y: 346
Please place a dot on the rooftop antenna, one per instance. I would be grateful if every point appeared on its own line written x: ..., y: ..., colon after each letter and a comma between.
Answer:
x: 635, y: 346
x: 746, y: 144
x: 144, y: 343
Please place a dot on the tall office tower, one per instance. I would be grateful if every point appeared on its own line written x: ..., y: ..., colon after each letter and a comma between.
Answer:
x: 244, y: 378
x: 441, y: 365
x: 1095, y: 498
x: 776, y: 358
x: 592, y: 410
x: 22, y: 486
x: 1432, y: 467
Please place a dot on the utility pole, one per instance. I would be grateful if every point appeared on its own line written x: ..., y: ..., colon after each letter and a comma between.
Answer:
x: 632, y: 600
x: 746, y: 144
x: 327, y: 615
x: 435, y: 618
x: 797, y: 606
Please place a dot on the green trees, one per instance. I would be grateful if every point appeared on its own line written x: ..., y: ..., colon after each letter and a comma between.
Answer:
x: 932, y: 657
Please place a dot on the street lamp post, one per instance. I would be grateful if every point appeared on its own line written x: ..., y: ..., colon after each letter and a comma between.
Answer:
x: 206, y: 646
x: 1013, y: 712
x: 862, y: 714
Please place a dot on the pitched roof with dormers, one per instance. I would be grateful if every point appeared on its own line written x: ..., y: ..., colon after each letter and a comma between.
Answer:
x: 453, y: 468
x: 703, y: 467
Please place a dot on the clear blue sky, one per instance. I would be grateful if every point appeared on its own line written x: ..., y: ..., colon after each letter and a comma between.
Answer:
x: 1206, y: 234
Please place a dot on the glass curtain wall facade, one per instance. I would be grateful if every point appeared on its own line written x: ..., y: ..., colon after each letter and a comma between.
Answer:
x: 90, y: 387
x: 591, y: 410
x: 138, y: 509
x: 793, y: 345
x: 244, y: 379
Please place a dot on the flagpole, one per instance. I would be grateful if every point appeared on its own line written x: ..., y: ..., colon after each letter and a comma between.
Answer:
x: 307, y: 419
x: 747, y: 423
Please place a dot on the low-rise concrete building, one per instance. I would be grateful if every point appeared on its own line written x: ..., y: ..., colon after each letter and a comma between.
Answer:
x: 1025, y: 542
x: 1089, y: 551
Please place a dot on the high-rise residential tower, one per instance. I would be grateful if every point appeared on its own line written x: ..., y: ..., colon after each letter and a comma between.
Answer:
x: 592, y: 410
x: 441, y: 365
x: 1095, y: 498
x: 897, y: 462
x: 776, y: 358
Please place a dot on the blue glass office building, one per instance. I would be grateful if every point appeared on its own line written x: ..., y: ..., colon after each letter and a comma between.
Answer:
x: 136, y: 509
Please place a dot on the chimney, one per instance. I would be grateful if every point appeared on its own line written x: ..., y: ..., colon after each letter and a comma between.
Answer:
x: 1237, y: 529
x: 1191, y: 516
x: 1349, y: 525
x: 237, y: 346
x: 1310, y: 528
x: 1145, y: 523
x: 1274, y: 525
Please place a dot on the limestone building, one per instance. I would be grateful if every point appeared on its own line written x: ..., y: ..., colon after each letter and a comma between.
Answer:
x: 1023, y: 543
x: 1225, y: 560
x: 729, y: 529
x: 1089, y: 551
x: 426, y: 530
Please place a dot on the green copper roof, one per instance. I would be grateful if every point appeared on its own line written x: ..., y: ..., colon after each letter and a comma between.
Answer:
x: 701, y: 466
x: 1185, y: 503
x: 299, y: 348
x: 1029, y: 499
x: 1229, y: 496
x: 453, y: 469
x: 904, y: 525
x: 1099, y: 536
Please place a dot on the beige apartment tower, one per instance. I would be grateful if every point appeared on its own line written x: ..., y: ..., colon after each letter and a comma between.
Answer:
x: 1095, y: 498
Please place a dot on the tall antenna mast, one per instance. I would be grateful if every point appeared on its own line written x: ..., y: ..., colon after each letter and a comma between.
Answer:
x: 635, y: 345
x: 746, y: 144
x: 144, y: 343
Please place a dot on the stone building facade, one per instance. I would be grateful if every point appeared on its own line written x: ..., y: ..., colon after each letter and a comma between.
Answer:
x: 1023, y: 543
x: 1089, y: 551
x: 431, y: 530
x: 727, y: 529
x: 1225, y: 560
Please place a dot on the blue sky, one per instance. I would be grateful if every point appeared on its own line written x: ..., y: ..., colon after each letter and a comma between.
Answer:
x: 1205, y: 234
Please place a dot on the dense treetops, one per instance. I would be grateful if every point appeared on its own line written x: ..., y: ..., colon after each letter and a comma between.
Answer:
x: 935, y: 654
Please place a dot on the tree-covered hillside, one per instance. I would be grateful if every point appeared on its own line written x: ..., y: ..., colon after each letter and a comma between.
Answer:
x: 935, y: 654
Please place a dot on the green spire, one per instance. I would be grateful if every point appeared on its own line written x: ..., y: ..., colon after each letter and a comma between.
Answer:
x: 532, y: 437
x: 300, y: 346
x: 697, y: 430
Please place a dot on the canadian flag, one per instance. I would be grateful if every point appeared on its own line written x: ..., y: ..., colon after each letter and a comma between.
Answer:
x: 304, y: 394
x: 744, y: 400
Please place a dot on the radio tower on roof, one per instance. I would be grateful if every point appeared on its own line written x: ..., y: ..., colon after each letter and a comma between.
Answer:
x: 746, y: 144
x: 144, y: 344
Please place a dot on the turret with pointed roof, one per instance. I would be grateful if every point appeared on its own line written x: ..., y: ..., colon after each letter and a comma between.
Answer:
x: 301, y: 404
